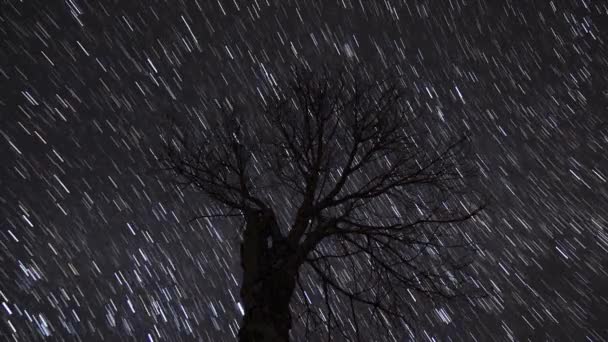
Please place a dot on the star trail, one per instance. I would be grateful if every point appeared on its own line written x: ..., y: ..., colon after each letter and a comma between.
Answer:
x: 94, y: 246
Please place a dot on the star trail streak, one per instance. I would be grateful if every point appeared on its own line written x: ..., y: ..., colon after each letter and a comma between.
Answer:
x: 93, y: 246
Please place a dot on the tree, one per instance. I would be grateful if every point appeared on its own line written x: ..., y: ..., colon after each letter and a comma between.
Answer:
x: 336, y: 178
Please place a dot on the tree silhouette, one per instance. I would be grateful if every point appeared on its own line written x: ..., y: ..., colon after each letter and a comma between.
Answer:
x: 349, y: 203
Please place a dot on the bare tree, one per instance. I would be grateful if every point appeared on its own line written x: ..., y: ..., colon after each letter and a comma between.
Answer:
x: 340, y: 186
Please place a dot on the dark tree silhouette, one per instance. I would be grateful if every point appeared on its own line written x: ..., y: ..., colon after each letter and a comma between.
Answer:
x: 336, y: 178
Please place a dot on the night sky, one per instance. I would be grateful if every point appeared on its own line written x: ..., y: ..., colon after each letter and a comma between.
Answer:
x: 94, y: 246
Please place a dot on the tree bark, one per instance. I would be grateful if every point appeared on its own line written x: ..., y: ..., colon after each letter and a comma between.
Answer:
x: 269, y: 277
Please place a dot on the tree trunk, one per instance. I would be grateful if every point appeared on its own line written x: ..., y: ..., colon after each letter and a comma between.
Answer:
x: 267, y: 313
x: 269, y: 278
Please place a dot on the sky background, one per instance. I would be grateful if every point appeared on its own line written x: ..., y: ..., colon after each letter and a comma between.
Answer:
x: 92, y: 245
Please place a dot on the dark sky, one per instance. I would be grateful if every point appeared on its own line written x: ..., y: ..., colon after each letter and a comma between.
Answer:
x: 92, y: 245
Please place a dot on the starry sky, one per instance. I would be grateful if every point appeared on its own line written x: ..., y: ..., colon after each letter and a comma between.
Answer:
x: 93, y: 246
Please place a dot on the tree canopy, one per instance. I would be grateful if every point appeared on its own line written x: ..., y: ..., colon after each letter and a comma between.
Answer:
x: 362, y: 201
